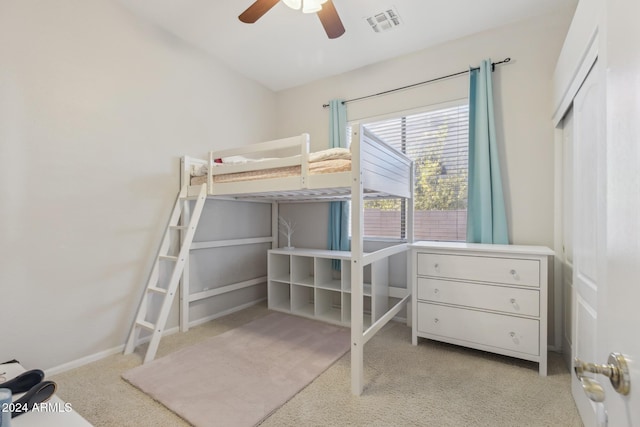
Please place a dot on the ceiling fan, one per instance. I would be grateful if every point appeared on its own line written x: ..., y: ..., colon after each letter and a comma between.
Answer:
x: 325, y: 10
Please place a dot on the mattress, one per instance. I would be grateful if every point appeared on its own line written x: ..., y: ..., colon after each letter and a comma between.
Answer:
x: 327, y: 161
x: 324, y: 166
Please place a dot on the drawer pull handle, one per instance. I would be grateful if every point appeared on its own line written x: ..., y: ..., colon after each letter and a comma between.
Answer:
x: 436, y: 267
x: 514, y: 274
x: 514, y: 337
x: 436, y: 291
x: 514, y: 303
x: 436, y: 320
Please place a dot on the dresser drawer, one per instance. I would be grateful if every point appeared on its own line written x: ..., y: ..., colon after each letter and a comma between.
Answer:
x: 511, y: 271
x: 490, y: 329
x: 488, y: 297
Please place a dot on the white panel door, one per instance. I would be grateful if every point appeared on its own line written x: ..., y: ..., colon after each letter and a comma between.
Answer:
x: 619, y: 325
x: 607, y: 218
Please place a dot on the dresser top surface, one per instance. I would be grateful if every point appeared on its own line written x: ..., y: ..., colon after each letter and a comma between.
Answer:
x: 483, y: 247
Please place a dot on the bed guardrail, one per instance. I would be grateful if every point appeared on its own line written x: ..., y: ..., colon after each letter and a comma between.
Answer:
x: 263, y: 152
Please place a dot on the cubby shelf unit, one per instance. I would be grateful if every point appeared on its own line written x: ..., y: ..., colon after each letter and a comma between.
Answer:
x: 303, y: 282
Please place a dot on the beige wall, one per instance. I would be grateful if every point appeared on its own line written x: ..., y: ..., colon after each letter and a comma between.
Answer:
x: 96, y: 108
x: 522, y: 91
x: 523, y: 106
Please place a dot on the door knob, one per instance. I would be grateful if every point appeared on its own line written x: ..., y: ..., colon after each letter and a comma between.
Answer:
x: 592, y: 389
x: 616, y: 370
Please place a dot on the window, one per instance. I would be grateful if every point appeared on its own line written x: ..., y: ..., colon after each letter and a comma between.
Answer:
x: 438, y: 141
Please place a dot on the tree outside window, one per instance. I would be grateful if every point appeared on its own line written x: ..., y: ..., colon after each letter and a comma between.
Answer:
x: 437, y: 141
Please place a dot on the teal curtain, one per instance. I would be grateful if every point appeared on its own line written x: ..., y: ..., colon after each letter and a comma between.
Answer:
x: 486, y: 216
x: 338, y: 211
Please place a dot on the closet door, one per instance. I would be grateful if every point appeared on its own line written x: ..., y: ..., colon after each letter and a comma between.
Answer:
x: 589, y: 203
x: 566, y: 252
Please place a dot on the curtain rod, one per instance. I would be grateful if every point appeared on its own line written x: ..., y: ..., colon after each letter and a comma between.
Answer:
x: 493, y: 68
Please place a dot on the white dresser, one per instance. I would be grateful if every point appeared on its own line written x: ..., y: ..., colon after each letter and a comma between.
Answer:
x: 487, y: 297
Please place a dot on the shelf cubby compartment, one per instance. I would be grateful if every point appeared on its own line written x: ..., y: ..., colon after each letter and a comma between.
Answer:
x: 379, y: 276
x: 280, y: 267
x: 345, y: 274
x: 326, y: 277
x: 302, y: 270
x: 346, y: 310
x: 328, y: 305
x: 303, y: 282
x: 279, y: 296
x: 303, y: 300
x: 346, y: 278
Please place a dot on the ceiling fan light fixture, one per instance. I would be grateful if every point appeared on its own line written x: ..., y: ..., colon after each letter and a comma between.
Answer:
x: 293, y: 4
x: 312, y: 6
x: 327, y: 14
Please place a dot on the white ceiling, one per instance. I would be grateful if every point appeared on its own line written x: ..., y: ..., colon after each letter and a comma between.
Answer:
x: 287, y: 48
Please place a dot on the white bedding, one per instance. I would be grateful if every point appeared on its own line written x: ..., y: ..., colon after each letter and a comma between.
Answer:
x: 315, y: 168
x: 319, y: 156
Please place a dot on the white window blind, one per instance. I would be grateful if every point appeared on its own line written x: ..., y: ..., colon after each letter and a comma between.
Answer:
x: 437, y: 140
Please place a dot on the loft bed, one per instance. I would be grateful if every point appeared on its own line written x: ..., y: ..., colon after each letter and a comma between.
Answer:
x: 369, y: 169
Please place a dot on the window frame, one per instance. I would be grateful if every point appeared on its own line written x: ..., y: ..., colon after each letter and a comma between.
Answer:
x: 399, y: 115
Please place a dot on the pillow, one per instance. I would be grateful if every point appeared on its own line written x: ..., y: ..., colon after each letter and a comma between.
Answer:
x: 199, y: 170
x: 330, y: 154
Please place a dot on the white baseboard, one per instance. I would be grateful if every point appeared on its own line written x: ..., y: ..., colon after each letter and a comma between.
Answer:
x: 224, y: 313
x: 83, y: 361
x: 119, y: 349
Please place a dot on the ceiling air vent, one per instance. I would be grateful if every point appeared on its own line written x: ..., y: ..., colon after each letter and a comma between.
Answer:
x: 384, y: 21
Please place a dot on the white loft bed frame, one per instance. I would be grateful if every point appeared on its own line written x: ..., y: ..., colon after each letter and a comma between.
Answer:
x: 377, y: 171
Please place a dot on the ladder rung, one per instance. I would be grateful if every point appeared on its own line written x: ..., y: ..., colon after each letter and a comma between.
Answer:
x: 147, y: 325
x: 168, y: 292
x: 157, y: 289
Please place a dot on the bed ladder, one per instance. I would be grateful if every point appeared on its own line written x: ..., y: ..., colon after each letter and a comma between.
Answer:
x: 177, y: 262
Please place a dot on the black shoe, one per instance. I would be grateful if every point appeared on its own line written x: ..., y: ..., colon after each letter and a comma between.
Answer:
x: 24, y: 381
x: 37, y: 394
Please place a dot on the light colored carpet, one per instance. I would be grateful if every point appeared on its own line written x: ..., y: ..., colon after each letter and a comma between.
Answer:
x: 432, y: 384
x: 241, y: 376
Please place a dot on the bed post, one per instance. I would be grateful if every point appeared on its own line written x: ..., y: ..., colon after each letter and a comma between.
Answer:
x: 304, y: 160
x: 210, y: 174
x: 410, y: 239
x: 184, y: 281
x: 357, y: 268
x: 274, y: 224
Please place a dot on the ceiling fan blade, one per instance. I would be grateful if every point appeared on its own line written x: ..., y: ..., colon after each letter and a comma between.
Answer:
x: 331, y: 21
x: 256, y: 10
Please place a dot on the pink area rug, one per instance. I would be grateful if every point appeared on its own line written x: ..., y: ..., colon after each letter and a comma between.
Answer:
x: 241, y: 376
